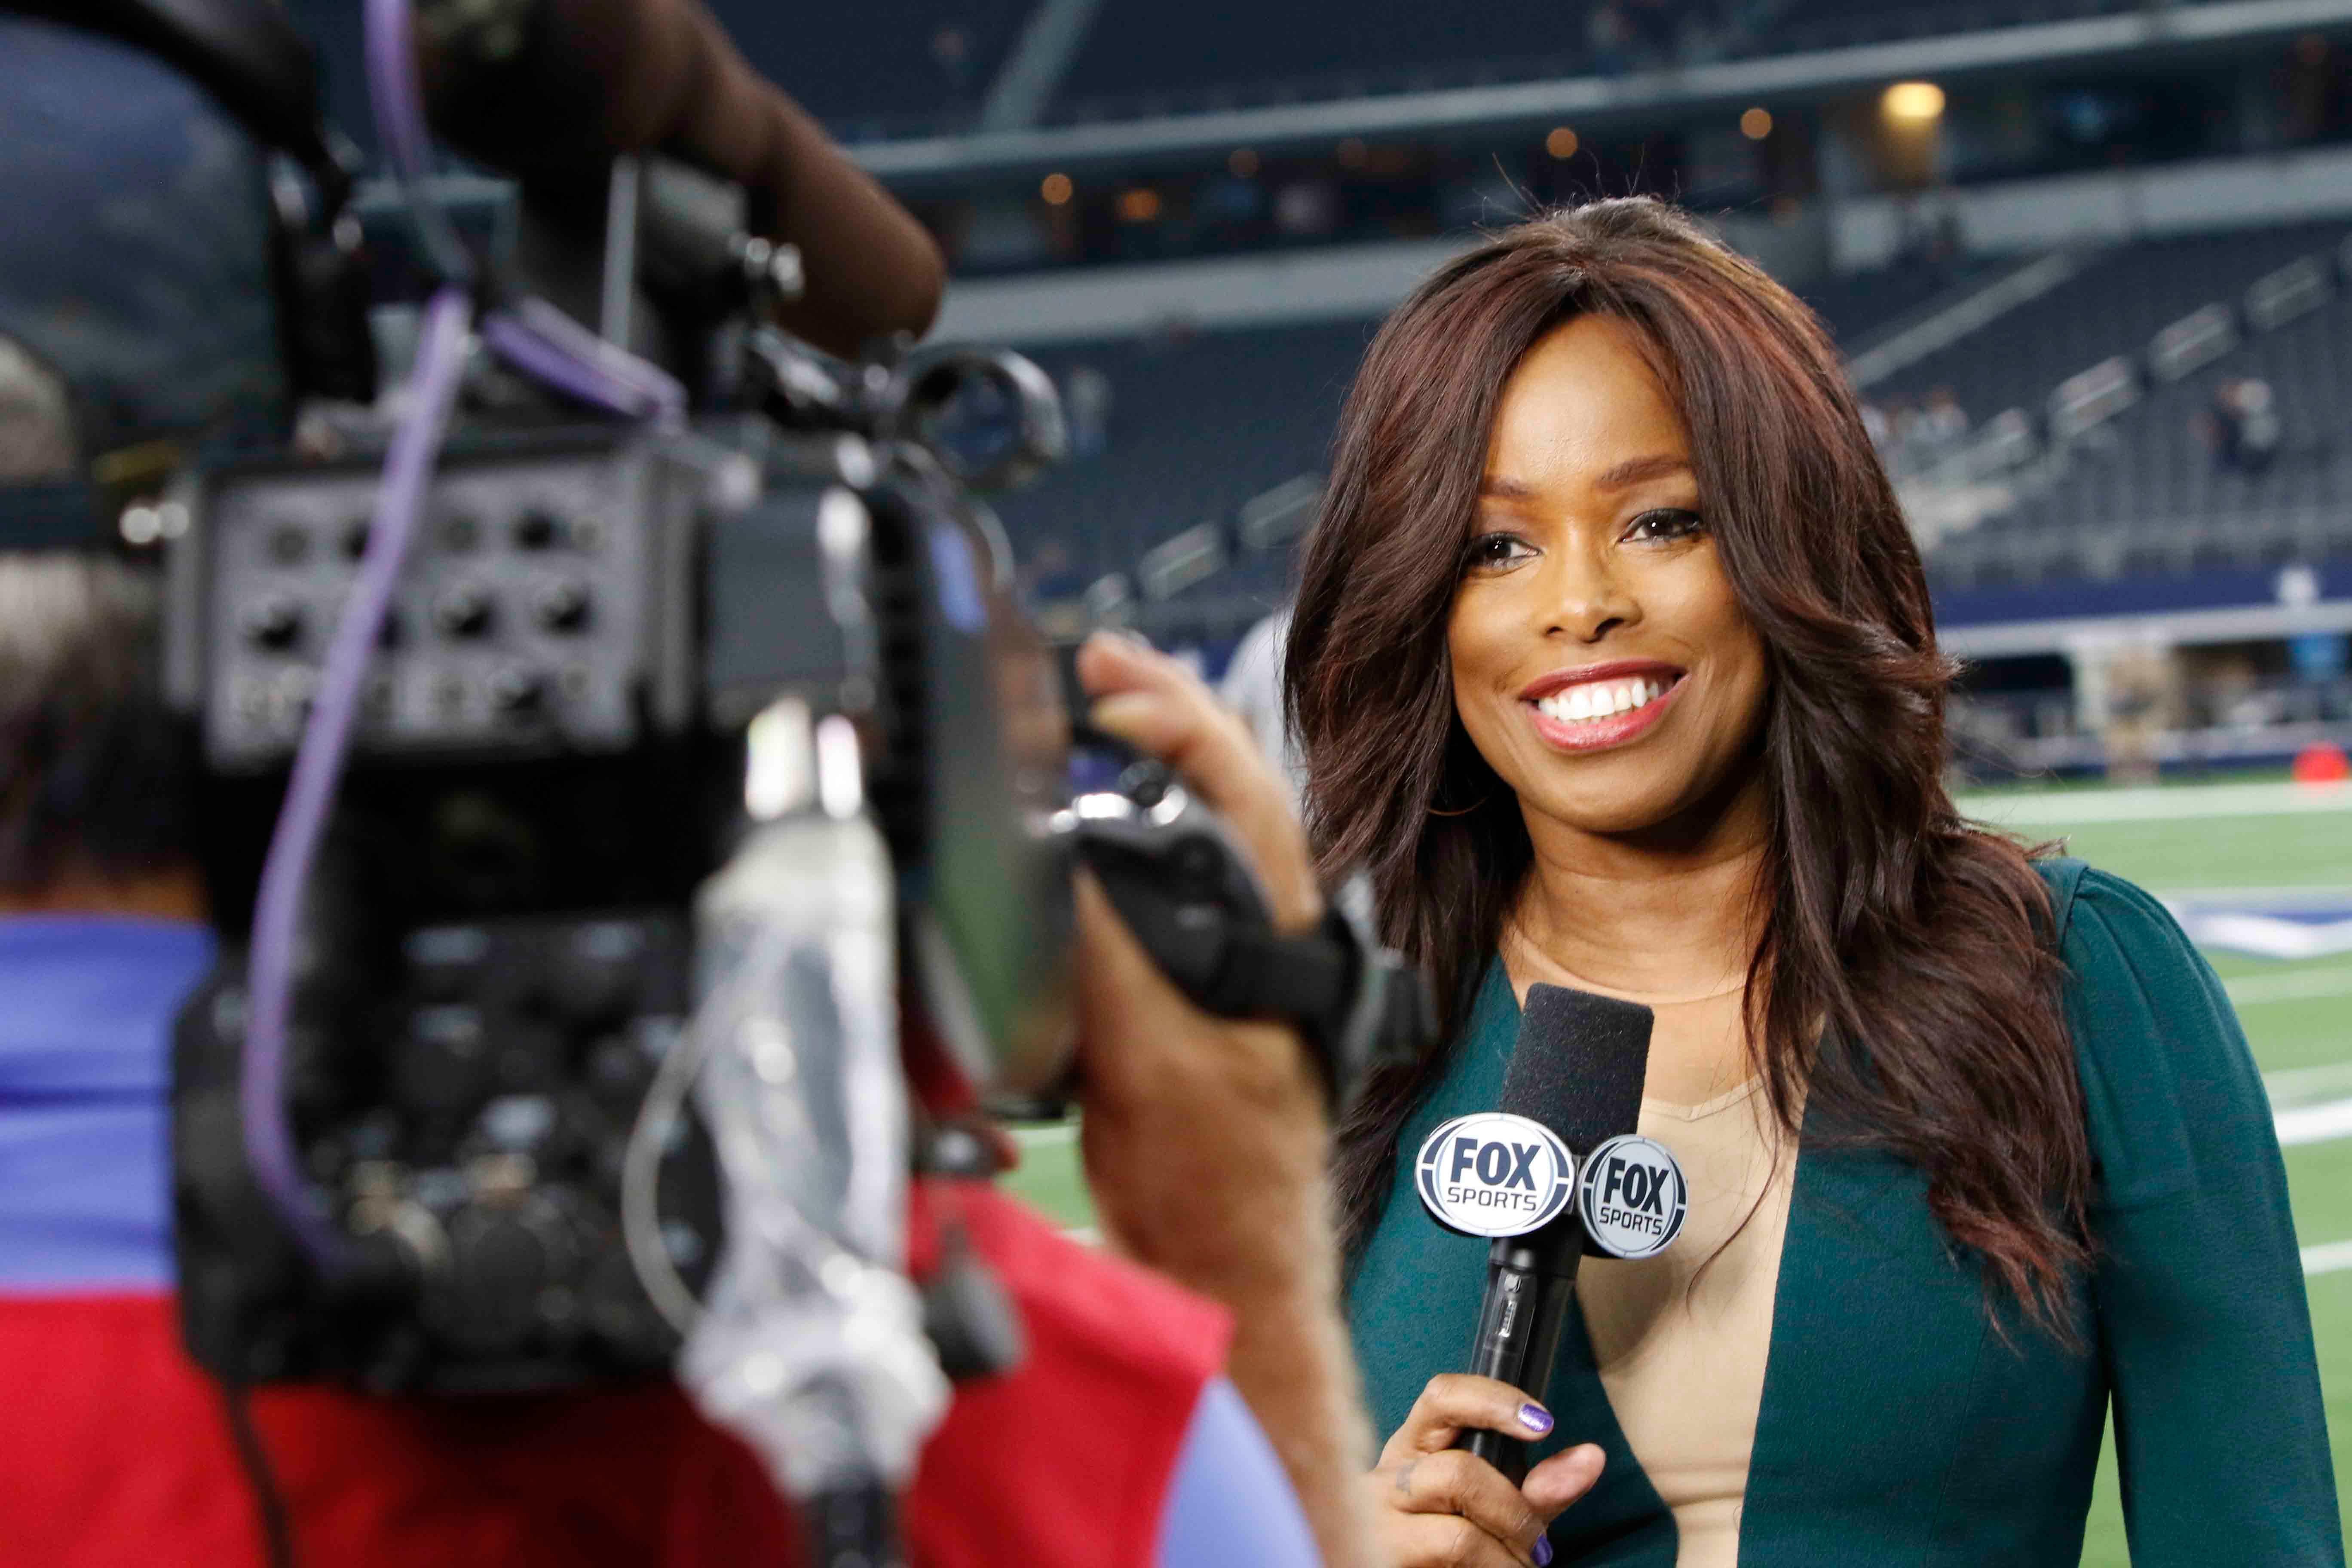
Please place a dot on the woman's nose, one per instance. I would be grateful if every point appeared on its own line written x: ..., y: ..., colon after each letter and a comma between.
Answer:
x: 1585, y: 598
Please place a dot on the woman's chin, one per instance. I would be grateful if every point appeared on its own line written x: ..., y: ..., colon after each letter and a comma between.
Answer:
x: 1626, y: 812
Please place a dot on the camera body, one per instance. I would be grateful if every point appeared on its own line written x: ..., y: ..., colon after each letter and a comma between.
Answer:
x: 497, y: 949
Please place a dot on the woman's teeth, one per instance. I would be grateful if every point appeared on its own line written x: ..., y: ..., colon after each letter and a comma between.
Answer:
x: 1593, y: 700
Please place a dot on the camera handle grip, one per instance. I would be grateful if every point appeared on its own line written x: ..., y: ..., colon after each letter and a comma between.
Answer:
x: 1190, y: 900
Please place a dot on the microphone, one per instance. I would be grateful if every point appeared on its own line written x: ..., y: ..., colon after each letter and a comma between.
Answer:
x: 1558, y: 1171
x: 552, y: 90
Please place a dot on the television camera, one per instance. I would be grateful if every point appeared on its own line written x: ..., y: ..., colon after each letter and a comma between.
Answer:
x: 638, y: 719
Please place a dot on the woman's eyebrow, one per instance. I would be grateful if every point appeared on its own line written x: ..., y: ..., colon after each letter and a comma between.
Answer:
x: 1503, y: 488
x: 1620, y: 476
x: 1635, y: 471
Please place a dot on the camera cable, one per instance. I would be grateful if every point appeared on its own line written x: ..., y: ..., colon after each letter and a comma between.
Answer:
x: 544, y: 344
x: 658, y: 1114
x: 261, y: 1477
x: 318, y: 769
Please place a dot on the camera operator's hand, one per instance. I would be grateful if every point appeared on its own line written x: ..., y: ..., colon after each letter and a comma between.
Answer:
x: 1204, y: 1138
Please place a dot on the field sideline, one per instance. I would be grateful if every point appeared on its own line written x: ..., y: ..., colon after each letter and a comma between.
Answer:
x: 2253, y: 841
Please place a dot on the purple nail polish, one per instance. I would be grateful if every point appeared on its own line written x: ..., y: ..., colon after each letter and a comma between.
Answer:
x: 1542, y: 1553
x: 1535, y: 1418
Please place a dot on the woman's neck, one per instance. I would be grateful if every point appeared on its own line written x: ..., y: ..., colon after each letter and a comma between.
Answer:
x: 1664, y: 916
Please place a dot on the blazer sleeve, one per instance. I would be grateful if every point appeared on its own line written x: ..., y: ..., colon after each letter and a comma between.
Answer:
x: 2220, y: 1433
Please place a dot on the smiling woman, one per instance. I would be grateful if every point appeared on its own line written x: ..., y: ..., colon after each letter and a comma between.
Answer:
x: 1614, y: 664
x: 1592, y: 602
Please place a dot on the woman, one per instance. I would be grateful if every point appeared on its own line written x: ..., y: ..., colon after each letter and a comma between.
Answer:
x: 1613, y: 662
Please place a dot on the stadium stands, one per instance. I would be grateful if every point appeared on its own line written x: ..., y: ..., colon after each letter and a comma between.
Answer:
x: 1200, y: 423
x: 2132, y: 351
x: 883, y: 67
x: 1143, y: 58
x: 1861, y: 306
x: 1203, y: 422
x: 1842, y: 23
x: 2103, y: 480
x: 2113, y: 305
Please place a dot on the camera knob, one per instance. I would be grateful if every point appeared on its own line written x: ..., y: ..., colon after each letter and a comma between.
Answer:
x: 518, y: 692
x: 537, y: 529
x: 464, y: 610
x: 562, y: 606
x: 275, y: 622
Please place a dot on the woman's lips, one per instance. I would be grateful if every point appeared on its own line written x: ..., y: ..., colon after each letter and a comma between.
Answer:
x: 1598, y: 734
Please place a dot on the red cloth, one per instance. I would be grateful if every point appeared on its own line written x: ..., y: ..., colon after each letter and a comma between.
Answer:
x: 115, y: 1451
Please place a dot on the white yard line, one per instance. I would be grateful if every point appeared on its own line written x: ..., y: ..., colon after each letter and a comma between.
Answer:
x: 2320, y: 1123
x: 2315, y: 1124
x: 2328, y: 1258
x: 2059, y: 808
x: 2306, y: 1085
x: 1050, y: 1135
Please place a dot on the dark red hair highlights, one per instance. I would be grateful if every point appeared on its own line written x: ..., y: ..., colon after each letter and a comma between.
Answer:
x: 1903, y: 995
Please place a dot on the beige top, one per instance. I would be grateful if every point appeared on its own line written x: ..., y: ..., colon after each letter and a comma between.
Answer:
x: 1681, y: 1339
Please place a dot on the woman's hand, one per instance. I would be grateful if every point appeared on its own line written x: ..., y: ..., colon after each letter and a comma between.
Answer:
x: 1439, y: 1507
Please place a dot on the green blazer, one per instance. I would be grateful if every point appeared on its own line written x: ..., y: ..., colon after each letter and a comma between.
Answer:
x: 1898, y: 1428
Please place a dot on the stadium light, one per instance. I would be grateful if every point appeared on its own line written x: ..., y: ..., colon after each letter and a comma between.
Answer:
x: 1913, y: 102
x: 1561, y: 142
x: 1757, y: 123
x: 1055, y: 189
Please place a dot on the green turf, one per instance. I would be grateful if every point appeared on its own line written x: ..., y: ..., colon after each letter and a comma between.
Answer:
x: 1048, y: 1177
x: 2312, y: 850
x: 2287, y: 1031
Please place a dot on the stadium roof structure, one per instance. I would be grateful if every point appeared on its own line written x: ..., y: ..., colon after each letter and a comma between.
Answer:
x: 2153, y: 32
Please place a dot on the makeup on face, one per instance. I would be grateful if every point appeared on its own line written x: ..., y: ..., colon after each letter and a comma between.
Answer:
x: 1601, y: 662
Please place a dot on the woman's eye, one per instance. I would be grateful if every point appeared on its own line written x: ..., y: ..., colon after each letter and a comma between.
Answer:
x: 1490, y: 551
x: 1666, y: 522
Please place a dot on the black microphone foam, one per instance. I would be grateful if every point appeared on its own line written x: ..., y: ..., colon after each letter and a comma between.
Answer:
x: 1579, y: 1065
x: 1577, y: 1071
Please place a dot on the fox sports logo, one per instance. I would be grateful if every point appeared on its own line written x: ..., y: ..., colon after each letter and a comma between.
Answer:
x: 1495, y: 1175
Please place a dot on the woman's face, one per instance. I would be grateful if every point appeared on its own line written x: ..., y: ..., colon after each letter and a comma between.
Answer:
x: 1600, y: 663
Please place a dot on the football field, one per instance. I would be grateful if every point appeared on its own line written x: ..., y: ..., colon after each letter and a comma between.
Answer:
x: 2262, y: 873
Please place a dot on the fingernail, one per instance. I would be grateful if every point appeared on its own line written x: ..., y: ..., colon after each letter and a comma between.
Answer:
x: 1124, y: 710
x: 1535, y: 1418
x: 1542, y: 1553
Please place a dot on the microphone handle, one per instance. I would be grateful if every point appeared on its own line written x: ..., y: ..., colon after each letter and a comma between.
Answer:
x: 1529, y: 1282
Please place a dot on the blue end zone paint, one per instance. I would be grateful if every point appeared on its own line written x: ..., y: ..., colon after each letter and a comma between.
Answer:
x: 2297, y: 924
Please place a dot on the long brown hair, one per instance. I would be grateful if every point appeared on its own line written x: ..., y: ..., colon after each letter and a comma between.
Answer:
x: 1903, y: 995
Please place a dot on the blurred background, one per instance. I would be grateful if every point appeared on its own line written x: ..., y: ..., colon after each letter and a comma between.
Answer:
x: 2090, y: 262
